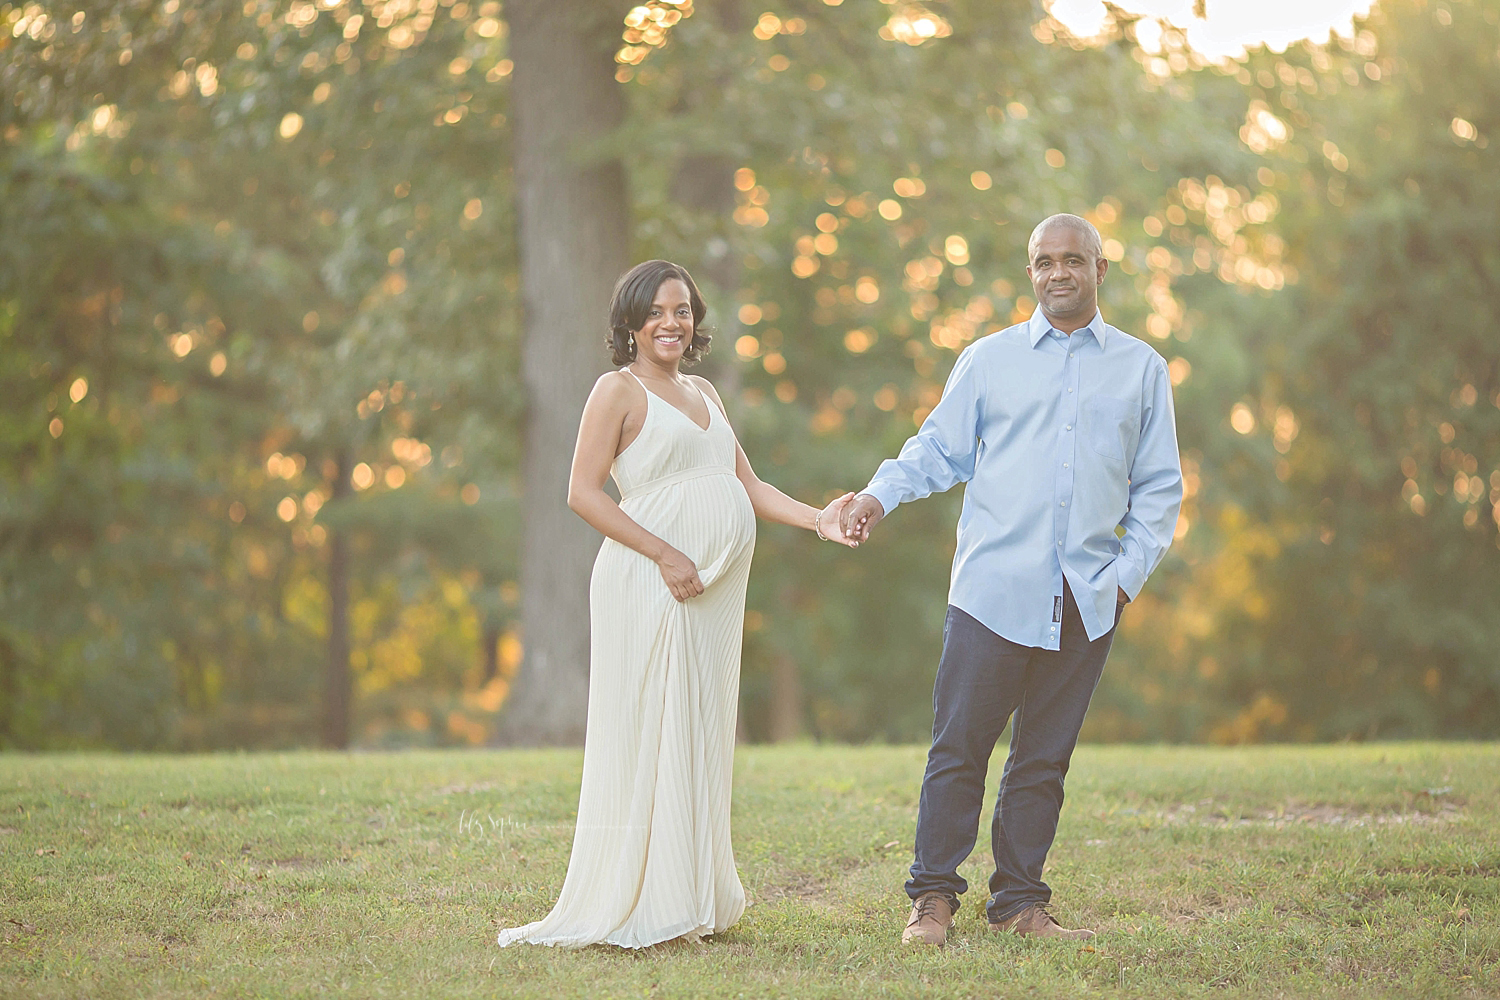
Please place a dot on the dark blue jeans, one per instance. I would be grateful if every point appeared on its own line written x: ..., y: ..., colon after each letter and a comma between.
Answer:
x: 983, y: 679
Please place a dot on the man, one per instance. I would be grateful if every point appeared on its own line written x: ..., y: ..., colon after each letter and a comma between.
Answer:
x: 1062, y: 428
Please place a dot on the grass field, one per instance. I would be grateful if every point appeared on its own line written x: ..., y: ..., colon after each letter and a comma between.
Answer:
x: 1368, y: 870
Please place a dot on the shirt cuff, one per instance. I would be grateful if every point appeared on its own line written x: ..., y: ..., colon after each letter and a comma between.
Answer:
x: 1129, y: 576
x: 886, y: 494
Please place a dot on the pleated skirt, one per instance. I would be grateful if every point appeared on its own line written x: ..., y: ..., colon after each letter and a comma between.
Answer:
x: 651, y: 858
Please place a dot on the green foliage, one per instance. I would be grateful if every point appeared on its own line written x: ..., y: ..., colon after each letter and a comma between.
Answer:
x: 1342, y: 433
x: 115, y: 593
x: 275, y: 244
x: 1382, y: 600
x: 243, y: 228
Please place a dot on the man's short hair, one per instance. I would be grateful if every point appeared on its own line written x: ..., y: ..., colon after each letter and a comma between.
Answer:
x: 1073, y: 222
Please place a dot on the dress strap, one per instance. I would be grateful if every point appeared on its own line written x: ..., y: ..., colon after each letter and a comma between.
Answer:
x: 712, y: 409
x: 648, y: 392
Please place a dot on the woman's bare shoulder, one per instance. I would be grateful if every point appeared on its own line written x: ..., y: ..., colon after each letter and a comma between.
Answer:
x: 616, y: 389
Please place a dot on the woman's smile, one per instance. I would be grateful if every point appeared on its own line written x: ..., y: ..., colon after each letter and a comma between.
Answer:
x: 668, y: 330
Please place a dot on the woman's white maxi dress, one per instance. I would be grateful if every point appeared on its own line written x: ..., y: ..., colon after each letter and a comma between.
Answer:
x: 651, y: 855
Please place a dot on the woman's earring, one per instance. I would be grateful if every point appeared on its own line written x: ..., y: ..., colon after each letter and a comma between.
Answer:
x: 632, y: 340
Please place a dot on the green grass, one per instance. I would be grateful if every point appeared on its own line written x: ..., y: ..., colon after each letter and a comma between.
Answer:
x: 1299, y: 871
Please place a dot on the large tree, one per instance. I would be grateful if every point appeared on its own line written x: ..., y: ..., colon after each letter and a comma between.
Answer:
x: 573, y: 229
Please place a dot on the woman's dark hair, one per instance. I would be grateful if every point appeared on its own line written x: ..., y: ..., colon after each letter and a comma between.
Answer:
x: 631, y: 303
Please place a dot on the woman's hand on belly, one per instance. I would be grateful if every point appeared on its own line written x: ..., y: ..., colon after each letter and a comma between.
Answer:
x: 680, y: 574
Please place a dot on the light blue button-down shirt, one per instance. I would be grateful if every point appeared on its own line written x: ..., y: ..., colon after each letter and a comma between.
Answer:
x: 1062, y: 439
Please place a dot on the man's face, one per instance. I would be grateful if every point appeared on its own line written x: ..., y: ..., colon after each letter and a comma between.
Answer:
x: 1065, y: 273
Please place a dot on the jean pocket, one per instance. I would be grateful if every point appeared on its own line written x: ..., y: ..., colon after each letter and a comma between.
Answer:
x: 1111, y: 425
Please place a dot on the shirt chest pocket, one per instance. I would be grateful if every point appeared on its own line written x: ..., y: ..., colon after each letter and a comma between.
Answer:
x: 1112, y: 426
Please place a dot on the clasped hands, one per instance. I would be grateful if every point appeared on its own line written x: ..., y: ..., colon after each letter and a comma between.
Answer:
x: 858, y: 517
x: 832, y: 524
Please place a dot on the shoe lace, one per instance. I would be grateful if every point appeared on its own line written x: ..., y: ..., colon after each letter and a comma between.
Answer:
x: 1041, y: 913
x: 927, y: 906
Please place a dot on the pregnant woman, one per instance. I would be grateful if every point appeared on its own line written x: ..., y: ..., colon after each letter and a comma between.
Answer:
x: 651, y: 854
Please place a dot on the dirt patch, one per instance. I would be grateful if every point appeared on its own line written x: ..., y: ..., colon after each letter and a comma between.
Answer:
x: 1478, y: 870
x: 258, y: 912
x: 1348, y: 967
x: 1208, y: 906
x: 13, y: 929
x: 802, y: 886
x: 1297, y: 814
x: 295, y: 864
x: 470, y: 789
x: 808, y: 886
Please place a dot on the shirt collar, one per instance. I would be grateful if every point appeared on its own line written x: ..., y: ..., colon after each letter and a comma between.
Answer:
x: 1037, y: 327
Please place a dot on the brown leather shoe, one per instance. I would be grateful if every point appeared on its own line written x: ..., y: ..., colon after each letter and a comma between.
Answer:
x: 1035, y: 921
x: 931, y: 916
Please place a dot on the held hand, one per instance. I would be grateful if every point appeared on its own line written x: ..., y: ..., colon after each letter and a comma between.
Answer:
x: 830, y: 521
x: 1122, y: 598
x: 680, y: 575
x: 861, y: 515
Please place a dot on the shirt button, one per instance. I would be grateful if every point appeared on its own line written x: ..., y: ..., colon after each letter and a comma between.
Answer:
x: 1065, y: 465
x: 1059, y: 541
x: 1068, y: 428
x: 1063, y: 503
x: 1070, y: 388
x: 1070, y: 354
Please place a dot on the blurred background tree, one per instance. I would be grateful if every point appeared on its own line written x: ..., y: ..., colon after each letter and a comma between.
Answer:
x: 1379, y: 394
x: 294, y: 300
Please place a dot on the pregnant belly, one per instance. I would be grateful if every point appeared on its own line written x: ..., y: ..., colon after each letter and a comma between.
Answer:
x: 709, y: 519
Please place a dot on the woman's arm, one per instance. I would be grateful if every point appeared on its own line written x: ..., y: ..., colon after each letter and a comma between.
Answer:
x: 598, y: 440
x: 771, y: 504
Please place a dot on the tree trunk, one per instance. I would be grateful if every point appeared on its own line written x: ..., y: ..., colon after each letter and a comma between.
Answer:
x: 9, y: 692
x: 337, y: 688
x: 573, y: 235
x: 490, y: 649
x: 786, y: 699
